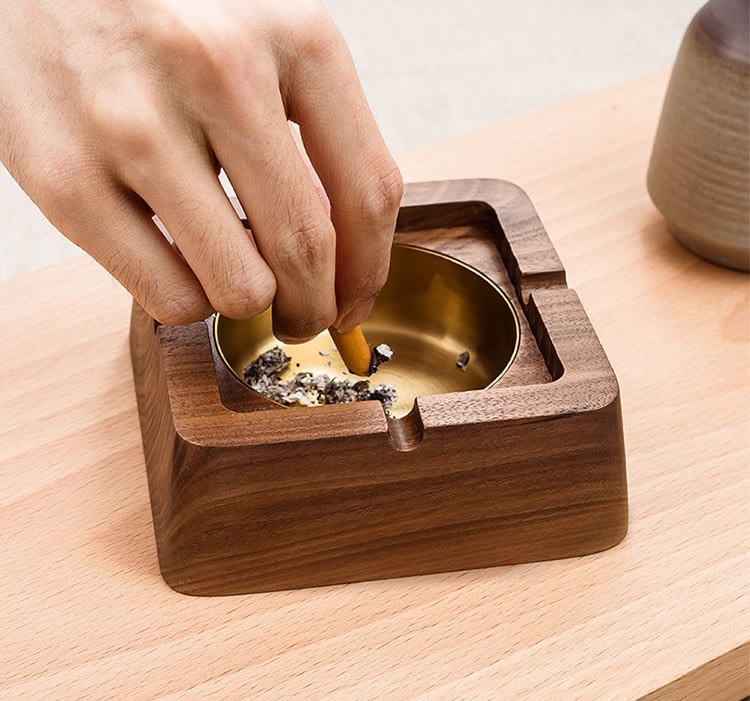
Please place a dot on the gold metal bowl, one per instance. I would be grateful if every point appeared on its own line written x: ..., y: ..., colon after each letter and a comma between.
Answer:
x: 432, y: 309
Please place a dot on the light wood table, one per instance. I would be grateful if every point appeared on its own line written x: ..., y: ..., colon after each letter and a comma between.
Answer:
x: 84, y: 612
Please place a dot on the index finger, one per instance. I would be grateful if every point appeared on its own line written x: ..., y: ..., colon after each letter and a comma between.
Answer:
x: 324, y: 96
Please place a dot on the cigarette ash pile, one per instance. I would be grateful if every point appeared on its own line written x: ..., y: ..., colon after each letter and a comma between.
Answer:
x: 306, y: 389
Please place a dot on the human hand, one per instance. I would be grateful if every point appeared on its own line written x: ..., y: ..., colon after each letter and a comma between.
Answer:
x: 113, y: 110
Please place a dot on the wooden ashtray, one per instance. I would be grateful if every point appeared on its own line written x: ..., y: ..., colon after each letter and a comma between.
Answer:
x: 519, y: 458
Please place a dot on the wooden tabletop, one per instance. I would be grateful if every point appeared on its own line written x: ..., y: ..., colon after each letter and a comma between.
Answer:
x: 84, y: 612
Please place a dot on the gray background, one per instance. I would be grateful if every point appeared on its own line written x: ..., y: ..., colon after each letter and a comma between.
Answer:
x: 435, y: 68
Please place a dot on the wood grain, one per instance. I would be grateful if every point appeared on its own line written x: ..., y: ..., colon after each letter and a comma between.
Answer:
x: 85, y: 613
x: 727, y: 678
x: 270, y: 500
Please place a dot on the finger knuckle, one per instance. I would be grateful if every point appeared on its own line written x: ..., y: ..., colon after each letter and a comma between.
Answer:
x: 383, y: 196
x: 169, y: 33
x: 219, y: 53
x: 308, y: 244
x: 180, y: 305
x: 240, y: 294
x: 310, y: 33
x: 129, y: 125
x: 320, y: 44
x: 221, y: 58
x: 124, y: 268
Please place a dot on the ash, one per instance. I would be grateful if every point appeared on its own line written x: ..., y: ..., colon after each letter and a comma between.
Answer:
x: 380, y: 354
x: 306, y: 389
x: 462, y: 361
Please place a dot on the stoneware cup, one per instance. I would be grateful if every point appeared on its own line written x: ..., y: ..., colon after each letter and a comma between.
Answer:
x: 699, y: 175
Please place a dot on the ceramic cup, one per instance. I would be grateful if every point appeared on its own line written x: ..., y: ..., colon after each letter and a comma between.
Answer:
x: 699, y: 175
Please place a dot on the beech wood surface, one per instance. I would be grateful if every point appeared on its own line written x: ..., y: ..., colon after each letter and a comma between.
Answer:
x: 85, y: 613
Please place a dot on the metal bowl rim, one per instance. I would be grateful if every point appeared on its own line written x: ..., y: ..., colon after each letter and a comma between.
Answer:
x: 438, y: 254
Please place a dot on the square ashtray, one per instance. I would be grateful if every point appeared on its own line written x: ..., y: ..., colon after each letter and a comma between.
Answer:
x: 517, y: 456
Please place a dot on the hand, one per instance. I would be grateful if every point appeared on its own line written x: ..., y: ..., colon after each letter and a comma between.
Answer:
x: 113, y: 110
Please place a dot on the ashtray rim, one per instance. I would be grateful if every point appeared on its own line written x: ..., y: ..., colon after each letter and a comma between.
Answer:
x: 439, y: 254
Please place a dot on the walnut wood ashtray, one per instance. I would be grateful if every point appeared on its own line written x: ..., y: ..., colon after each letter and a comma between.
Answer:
x: 250, y: 496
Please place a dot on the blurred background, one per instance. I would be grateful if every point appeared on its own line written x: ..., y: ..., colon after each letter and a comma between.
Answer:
x: 436, y: 68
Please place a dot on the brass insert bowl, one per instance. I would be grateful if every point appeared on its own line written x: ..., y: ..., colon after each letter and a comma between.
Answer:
x: 432, y: 309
